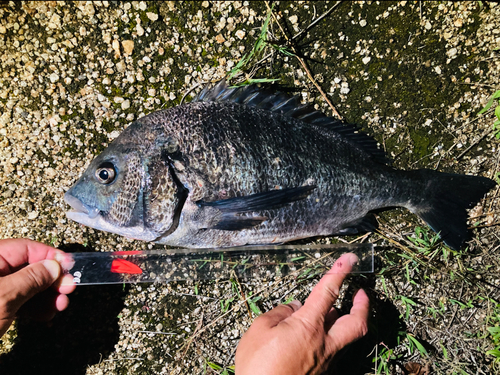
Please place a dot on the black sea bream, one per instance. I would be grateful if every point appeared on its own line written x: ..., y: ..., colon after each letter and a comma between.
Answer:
x: 244, y: 166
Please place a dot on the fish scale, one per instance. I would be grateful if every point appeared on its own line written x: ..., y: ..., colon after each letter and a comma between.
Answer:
x: 242, y: 166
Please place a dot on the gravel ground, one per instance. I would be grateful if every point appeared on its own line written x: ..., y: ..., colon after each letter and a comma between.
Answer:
x: 412, y: 74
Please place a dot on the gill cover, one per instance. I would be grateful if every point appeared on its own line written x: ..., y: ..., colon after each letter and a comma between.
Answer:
x: 164, y: 199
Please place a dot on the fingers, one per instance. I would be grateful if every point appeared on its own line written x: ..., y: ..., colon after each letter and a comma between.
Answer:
x: 15, y: 253
x: 19, y: 287
x: 65, y: 284
x: 349, y: 328
x: 331, y: 318
x: 279, y: 313
x: 324, y: 295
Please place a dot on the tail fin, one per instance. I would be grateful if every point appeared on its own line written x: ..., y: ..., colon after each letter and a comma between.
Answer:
x: 445, y: 198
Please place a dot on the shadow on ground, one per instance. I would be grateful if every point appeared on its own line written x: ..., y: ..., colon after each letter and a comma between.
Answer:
x: 383, y: 327
x: 76, y: 338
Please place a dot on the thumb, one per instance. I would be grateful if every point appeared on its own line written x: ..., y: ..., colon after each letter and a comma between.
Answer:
x: 20, y: 286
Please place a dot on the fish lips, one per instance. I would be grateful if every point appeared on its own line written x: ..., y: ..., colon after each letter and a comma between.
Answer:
x: 92, y: 217
x: 80, y: 209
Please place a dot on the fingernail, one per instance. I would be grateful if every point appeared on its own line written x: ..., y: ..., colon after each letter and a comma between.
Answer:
x: 53, y: 267
x: 295, y: 305
x: 353, y: 259
x: 65, y: 260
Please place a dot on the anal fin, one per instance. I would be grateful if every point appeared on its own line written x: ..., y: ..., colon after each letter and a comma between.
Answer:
x: 364, y: 224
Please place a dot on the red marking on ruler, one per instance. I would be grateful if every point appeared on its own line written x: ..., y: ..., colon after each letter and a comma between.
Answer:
x: 124, y: 266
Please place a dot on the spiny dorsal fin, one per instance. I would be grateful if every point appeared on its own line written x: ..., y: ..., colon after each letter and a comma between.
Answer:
x: 254, y: 96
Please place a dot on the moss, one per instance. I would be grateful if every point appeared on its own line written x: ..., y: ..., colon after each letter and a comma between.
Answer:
x: 403, y: 84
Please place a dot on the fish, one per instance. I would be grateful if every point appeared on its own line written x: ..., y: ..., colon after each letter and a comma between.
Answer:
x: 247, y: 166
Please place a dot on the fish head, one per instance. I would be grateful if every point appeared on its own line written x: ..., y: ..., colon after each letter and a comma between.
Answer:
x: 108, y: 196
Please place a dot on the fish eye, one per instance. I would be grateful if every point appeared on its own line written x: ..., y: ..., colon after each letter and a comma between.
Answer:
x: 106, y: 173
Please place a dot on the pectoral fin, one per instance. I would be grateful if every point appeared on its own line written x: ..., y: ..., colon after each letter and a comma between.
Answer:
x: 232, y: 208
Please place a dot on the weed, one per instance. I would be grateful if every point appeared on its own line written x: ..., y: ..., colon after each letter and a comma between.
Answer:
x: 388, y: 357
x: 493, y: 323
x: 214, y: 366
x: 252, y: 304
x: 258, y: 48
x: 496, y: 125
x: 408, y: 304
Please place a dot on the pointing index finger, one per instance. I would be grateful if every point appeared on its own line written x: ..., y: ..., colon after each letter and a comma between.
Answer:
x: 324, y: 295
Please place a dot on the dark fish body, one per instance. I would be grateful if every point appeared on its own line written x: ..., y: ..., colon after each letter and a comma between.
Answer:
x: 243, y: 166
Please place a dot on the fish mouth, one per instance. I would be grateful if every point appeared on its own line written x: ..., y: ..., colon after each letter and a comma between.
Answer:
x: 79, y: 208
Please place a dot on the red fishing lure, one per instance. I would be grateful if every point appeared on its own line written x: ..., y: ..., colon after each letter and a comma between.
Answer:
x: 124, y: 266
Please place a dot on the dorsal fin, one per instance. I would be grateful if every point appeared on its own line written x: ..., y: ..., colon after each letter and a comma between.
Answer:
x: 254, y: 96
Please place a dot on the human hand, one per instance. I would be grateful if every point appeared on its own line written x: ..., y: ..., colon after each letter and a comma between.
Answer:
x: 26, y: 269
x: 296, y: 339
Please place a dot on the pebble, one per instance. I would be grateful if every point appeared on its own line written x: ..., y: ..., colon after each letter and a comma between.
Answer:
x: 50, y: 173
x: 240, y: 34
x: 125, y: 104
x: 128, y: 47
x: 452, y: 52
x: 152, y: 16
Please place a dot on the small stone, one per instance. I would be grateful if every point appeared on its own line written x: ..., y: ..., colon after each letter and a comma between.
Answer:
x: 116, y: 48
x: 437, y: 69
x: 452, y: 52
x: 50, y: 173
x: 205, y: 4
x: 152, y: 16
x: 126, y: 104
x: 366, y: 60
x: 293, y: 19
x: 3, y: 30
x: 139, y: 29
x: 151, y: 92
x: 240, y: 34
x: 32, y: 215
x: 53, y: 77
x: 220, y: 39
x: 362, y: 23
x: 55, y: 21
x: 114, y: 134
x: 128, y: 47
x: 428, y: 25
x: 120, y: 66
x: 142, y: 5
x: 458, y: 22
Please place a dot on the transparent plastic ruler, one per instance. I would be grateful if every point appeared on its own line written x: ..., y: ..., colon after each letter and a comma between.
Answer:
x: 167, y: 265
